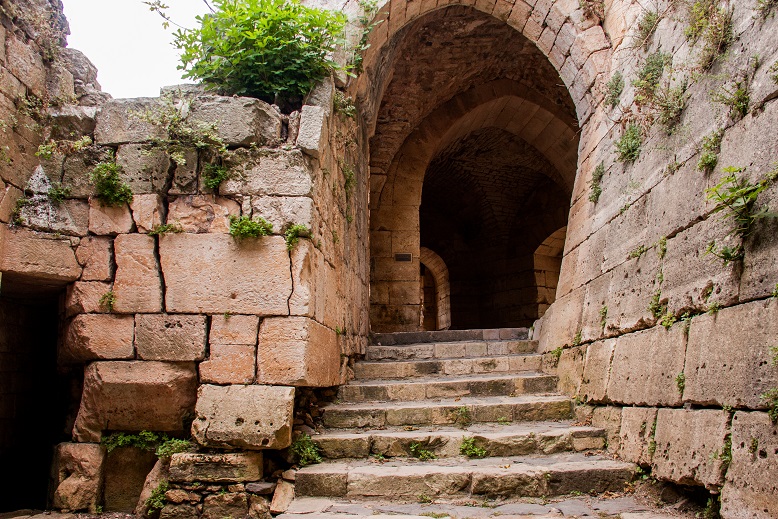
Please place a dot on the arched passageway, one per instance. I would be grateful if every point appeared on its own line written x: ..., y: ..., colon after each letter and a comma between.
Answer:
x: 473, y: 154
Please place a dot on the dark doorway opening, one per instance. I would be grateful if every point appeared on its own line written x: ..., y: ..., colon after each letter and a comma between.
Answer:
x: 33, y: 395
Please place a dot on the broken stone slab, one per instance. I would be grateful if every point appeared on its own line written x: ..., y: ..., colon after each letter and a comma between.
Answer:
x: 78, y: 476
x: 159, y: 474
x: 135, y: 396
x: 84, y: 297
x: 214, y: 273
x: 312, y: 137
x: 126, y: 469
x: 98, y: 336
x: 95, y: 255
x: 137, y: 287
x: 297, y: 351
x: 261, y: 487
x: 238, y: 467
x: 202, y: 213
x: 120, y: 121
x: 38, y: 255
x: 282, y: 497
x: 249, y: 417
x: 176, y: 338
x: 147, y: 211
x: 238, y: 121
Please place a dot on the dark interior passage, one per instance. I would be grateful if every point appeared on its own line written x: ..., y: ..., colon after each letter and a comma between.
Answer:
x: 33, y: 397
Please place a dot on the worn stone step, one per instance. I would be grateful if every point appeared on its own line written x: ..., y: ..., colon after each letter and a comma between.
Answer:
x: 493, y: 334
x: 412, y: 479
x: 444, y: 442
x: 450, y: 350
x: 447, y: 386
x: 448, y: 411
x: 389, y: 369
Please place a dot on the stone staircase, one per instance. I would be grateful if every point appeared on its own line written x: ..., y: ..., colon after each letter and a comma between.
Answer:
x: 396, y: 431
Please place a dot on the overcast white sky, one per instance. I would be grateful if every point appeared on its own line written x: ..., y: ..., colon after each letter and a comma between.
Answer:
x: 126, y: 41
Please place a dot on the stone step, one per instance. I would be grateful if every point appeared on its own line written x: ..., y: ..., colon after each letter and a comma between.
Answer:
x: 452, y: 386
x: 411, y: 479
x: 388, y: 369
x: 450, y: 350
x: 444, y: 442
x: 494, y: 334
x: 448, y: 411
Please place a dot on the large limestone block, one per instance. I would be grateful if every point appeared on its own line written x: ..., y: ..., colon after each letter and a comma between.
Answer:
x: 229, y: 364
x: 134, y: 396
x: 752, y: 478
x: 69, y: 121
x: 203, y: 213
x: 98, y: 336
x: 313, y: 135
x: 145, y: 171
x: 78, y: 476
x: 637, y: 434
x: 596, y: 371
x: 214, y: 273
x: 176, y: 338
x: 238, y: 467
x: 107, y: 220
x: 284, y: 210
x: 276, y: 173
x: 308, y: 271
x: 248, y: 417
x: 233, y: 329
x: 79, y: 165
x: 727, y: 361
x: 42, y: 256
x: 569, y: 370
x: 25, y: 62
x: 137, y: 287
x: 95, y: 255
x: 690, y: 446
x: 221, y: 506
x: 609, y: 418
x: 239, y: 121
x: 120, y: 121
x: 84, y: 297
x: 645, y: 366
x: 297, y: 351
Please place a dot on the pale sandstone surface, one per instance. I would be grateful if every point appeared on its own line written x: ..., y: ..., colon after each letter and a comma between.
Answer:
x: 238, y: 121
x: 229, y: 364
x: 236, y: 467
x: 147, y: 211
x: 175, y: 338
x: 95, y: 255
x: 99, y: 336
x: 85, y: 297
x: 144, y: 169
x: 78, y: 476
x: 202, y: 213
x: 42, y: 256
x: 120, y: 121
x: 233, y: 329
x: 636, y: 434
x: 137, y: 287
x: 249, y: 417
x: 107, y: 220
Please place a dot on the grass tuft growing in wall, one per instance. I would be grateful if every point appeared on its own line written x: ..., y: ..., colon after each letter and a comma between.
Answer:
x: 628, y: 146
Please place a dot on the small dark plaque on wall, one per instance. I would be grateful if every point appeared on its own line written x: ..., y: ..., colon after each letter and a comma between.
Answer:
x: 403, y: 256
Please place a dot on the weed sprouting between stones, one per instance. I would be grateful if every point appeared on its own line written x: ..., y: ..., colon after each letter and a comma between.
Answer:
x: 305, y: 451
x: 246, y: 227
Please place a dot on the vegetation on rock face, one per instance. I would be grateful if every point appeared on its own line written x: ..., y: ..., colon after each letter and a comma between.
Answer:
x: 260, y: 48
x: 595, y: 184
x: 614, y: 88
x: 245, y: 227
x: 628, y: 146
x: 305, y: 451
x: 293, y: 233
x: 111, y: 190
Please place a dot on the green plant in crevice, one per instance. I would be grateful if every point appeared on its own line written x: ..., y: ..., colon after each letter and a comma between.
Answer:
x: 166, y: 228
x: 418, y: 450
x: 637, y: 252
x: 214, y: 175
x: 461, y: 416
x: 613, y: 89
x: 593, y: 8
x: 145, y: 440
x: 344, y: 105
x: 713, y: 308
x: 774, y: 355
x: 368, y: 10
x: 737, y: 99
x: 649, y: 75
x: 469, y: 448
x: 110, y: 189
x: 709, y: 154
x: 753, y: 445
x: 578, y: 338
x: 670, y: 103
x: 773, y: 70
x: 668, y: 320
x: 349, y: 178
x: 16, y: 213
x: 770, y: 398
x: 595, y: 184
x: 57, y: 193
x: 736, y: 198
x: 65, y: 147
x: 156, y: 501
x: 305, y: 451
x: 556, y: 354
x: 764, y: 7
x: 725, y: 456
x: 107, y: 301
x: 628, y: 146
x: 661, y: 247
x: 246, y: 227
x: 726, y: 254
x: 603, y: 316
x: 656, y: 306
x: 646, y: 28
x: 680, y: 382
x: 293, y: 233
x: 713, y: 25
x: 170, y: 446
x: 267, y: 49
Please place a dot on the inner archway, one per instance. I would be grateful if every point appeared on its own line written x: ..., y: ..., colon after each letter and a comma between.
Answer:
x: 473, y: 154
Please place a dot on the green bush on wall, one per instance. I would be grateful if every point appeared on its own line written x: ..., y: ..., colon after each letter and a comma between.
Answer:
x: 261, y: 48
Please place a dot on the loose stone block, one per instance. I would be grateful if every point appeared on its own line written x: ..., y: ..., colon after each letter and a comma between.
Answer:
x: 119, y: 121
x: 147, y: 212
x: 38, y: 255
x: 297, y: 351
x: 175, y: 338
x: 570, y: 368
x: 203, y: 213
x: 71, y: 121
x: 134, y: 396
x: 229, y: 364
x: 249, y: 417
x: 96, y: 336
x: 282, y: 497
x: 637, y: 434
x: 312, y: 135
x: 645, y: 366
x: 78, y: 476
x: 137, y: 286
x: 690, y: 446
x: 144, y: 170
x: 95, y: 255
x: 238, y: 121
x: 106, y: 220
x: 752, y: 477
x: 214, y: 273
x: 238, y: 467
x: 727, y: 361
x: 233, y: 329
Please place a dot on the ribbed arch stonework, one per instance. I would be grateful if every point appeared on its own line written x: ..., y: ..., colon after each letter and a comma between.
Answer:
x: 440, y: 74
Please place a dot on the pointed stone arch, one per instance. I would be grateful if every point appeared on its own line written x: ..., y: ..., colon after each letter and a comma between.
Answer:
x: 439, y: 271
